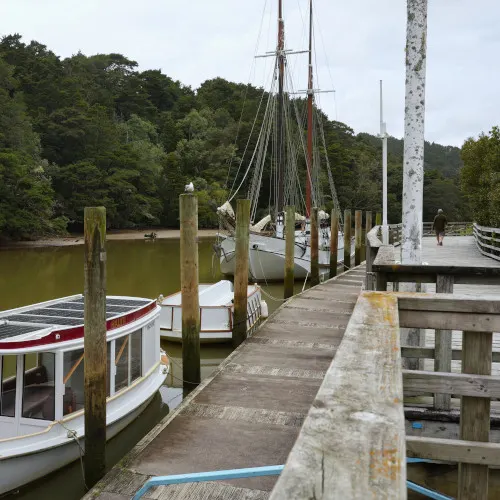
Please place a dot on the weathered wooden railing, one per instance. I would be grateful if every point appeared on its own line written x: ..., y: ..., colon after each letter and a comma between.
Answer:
x: 487, y: 240
x: 353, y: 442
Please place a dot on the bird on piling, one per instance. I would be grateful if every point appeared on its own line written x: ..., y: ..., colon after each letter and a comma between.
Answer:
x: 189, y: 188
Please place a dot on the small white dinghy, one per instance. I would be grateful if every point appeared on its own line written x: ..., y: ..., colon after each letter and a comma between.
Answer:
x: 216, y: 312
x: 42, y: 380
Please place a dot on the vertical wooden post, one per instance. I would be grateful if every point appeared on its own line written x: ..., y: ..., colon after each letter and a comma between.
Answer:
x: 191, y: 363
x: 475, y: 415
x: 334, y: 243
x: 241, y: 272
x: 358, y: 226
x: 368, y: 223
x: 347, y: 239
x: 378, y: 219
x: 289, y: 251
x: 442, y: 352
x: 314, y: 247
x: 95, y: 363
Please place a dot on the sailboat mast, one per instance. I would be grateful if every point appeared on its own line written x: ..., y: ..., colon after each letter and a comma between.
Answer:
x: 309, y: 118
x: 281, y: 134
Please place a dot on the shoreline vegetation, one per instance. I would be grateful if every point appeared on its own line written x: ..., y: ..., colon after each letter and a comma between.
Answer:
x: 112, y: 235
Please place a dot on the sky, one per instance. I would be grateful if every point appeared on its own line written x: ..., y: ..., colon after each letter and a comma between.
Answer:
x: 358, y: 43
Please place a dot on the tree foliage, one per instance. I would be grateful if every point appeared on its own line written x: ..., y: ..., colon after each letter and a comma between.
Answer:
x: 95, y: 130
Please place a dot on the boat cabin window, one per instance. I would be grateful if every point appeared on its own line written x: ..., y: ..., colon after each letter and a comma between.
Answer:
x: 121, y: 362
x: 39, y: 386
x: 136, y: 355
x: 8, y: 383
x: 73, y: 379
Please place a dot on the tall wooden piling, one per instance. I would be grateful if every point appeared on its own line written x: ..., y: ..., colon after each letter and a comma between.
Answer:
x: 334, y: 243
x: 378, y: 219
x: 358, y: 229
x: 191, y: 363
x: 95, y: 362
x: 475, y: 414
x: 368, y: 222
x: 241, y: 272
x: 289, y: 251
x: 347, y: 239
x: 314, y: 247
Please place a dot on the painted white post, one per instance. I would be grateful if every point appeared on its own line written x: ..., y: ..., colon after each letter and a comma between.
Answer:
x: 413, y: 168
x: 383, y: 136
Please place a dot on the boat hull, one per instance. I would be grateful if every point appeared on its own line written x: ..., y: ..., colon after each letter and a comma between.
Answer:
x: 267, y: 259
x: 22, y: 469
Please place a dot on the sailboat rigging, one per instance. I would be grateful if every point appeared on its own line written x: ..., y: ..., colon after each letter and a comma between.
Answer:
x: 280, y: 144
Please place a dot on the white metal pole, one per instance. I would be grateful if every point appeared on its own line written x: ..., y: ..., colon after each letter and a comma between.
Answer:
x: 383, y: 135
x: 413, y: 168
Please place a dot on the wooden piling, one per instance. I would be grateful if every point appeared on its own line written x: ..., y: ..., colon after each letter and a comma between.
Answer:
x: 191, y: 363
x: 95, y: 361
x: 378, y: 219
x: 368, y: 222
x: 289, y: 251
x: 443, y: 351
x: 347, y: 239
x: 241, y: 272
x: 475, y: 414
x: 358, y: 227
x: 334, y: 243
x: 314, y: 247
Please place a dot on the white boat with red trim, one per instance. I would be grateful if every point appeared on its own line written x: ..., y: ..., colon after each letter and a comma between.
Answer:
x: 216, y: 312
x: 42, y: 380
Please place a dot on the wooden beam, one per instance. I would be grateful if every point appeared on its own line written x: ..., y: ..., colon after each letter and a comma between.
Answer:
x: 475, y: 413
x: 463, y: 384
x: 442, y: 342
x: 452, y: 450
x: 448, y: 303
x: 352, y: 443
x: 428, y: 353
x: 95, y: 363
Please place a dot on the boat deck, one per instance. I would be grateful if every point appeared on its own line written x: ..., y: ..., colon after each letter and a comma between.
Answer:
x: 249, y: 411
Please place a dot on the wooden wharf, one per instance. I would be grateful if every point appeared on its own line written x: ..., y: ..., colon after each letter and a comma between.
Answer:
x: 250, y: 410
x: 320, y: 387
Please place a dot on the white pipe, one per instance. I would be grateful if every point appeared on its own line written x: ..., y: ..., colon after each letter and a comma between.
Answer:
x: 413, y: 166
x: 383, y: 135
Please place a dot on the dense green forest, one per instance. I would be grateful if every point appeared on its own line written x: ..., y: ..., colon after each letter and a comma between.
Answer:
x: 94, y: 130
x: 480, y: 177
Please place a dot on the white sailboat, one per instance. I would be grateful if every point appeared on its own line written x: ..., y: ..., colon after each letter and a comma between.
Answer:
x: 42, y: 380
x: 216, y: 312
x: 267, y: 248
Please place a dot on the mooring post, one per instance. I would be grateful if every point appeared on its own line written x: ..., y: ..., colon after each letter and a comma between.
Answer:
x: 241, y: 272
x: 378, y: 219
x: 358, y: 219
x: 475, y: 414
x: 334, y: 243
x: 314, y: 247
x: 368, y: 223
x: 289, y: 251
x: 191, y: 363
x: 347, y: 239
x: 94, y: 343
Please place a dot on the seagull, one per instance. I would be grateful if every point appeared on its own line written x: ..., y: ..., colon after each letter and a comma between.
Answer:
x: 189, y: 188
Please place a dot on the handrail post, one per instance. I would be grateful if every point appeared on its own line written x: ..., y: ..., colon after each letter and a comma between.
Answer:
x: 475, y: 414
x: 442, y: 345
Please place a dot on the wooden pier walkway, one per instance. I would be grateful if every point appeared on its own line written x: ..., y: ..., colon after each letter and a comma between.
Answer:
x: 249, y: 412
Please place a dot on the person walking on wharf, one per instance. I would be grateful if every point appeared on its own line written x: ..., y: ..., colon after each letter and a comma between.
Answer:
x: 439, y: 224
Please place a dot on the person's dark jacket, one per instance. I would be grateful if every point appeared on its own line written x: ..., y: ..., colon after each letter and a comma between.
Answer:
x: 439, y: 223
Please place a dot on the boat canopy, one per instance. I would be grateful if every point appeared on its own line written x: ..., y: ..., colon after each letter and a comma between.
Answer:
x: 261, y: 224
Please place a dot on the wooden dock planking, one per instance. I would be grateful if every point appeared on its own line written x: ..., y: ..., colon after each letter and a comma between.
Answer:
x: 249, y: 411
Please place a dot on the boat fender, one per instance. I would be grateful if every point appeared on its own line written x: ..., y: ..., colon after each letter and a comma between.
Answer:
x: 264, y: 310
